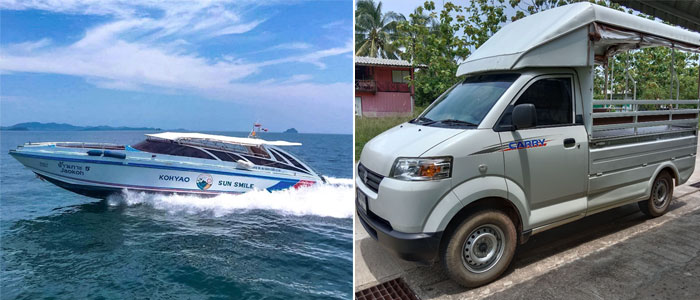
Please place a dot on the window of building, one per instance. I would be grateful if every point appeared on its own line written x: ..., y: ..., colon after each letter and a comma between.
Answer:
x: 363, y: 73
x: 399, y: 76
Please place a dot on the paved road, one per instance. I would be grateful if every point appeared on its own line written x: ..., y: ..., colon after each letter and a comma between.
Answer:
x: 614, y: 254
x: 660, y: 264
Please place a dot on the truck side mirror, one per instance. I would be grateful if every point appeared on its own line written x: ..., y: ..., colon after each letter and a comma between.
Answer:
x: 524, y: 116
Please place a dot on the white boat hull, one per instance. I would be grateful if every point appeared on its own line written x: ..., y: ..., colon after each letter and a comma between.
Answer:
x: 101, y: 176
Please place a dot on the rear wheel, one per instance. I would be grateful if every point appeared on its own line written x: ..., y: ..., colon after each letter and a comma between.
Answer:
x: 480, y: 249
x: 661, y: 195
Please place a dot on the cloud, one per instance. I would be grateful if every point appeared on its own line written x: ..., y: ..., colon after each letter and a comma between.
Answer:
x: 155, y: 50
x: 95, y: 7
x: 240, y: 28
x: 134, y: 52
x: 299, y: 78
x: 294, y: 46
x: 29, y: 46
x: 111, y: 59
x: 291, y: 46
x: 313, y: 57
x: 334, y: 24
x: 157, y: 19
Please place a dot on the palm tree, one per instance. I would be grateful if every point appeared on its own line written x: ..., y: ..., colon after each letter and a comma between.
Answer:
x: 375, y: 32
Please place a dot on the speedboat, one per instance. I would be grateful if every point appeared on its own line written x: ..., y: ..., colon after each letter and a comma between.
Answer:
x: 169, y: 162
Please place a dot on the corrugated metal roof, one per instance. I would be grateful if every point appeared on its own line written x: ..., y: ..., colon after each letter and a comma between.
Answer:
x: 374, y: 61
x: 684, y: 13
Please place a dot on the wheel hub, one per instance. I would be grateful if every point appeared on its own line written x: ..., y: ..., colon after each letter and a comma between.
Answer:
x: 483, y: 248
x: 660, y: 194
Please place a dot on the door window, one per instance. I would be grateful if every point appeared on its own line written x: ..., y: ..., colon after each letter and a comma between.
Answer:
x: 553, y: 101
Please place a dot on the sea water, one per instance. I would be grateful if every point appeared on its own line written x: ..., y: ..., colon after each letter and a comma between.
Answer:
x: 286, y: 244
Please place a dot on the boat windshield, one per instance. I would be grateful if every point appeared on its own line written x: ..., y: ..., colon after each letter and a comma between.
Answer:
x: 466, y: 103
x: 256, y: 155
x: 170, y: 148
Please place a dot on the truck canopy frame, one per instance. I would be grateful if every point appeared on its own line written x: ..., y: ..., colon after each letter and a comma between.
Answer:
x: 575, y: 35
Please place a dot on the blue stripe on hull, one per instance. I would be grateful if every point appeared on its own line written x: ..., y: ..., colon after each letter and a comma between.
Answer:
x: 282, y: 185
x: 142, y: 187
x: 101, y: 192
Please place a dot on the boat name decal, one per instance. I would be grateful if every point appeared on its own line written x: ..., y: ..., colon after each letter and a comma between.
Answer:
x: 236, y: 184
x: 174, y: 178
x: 72, y: 169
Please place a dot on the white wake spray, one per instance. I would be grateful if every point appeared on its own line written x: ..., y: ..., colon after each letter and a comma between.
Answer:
x: 334, y: 199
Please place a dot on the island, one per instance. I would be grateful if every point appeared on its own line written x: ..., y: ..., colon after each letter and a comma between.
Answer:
x: 68, y: 127
x: 291, y: 130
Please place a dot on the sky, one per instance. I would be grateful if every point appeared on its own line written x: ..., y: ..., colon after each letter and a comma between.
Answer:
x: 210, y: 65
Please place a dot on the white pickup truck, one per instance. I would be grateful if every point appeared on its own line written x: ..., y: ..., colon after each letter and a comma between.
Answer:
x: 520, y: 145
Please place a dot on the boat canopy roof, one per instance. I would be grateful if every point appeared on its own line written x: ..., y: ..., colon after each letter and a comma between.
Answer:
x: 561, y: 37
x: 192, y: 137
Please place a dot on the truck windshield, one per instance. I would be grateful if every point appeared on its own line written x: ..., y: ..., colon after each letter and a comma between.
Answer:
x: 466, y: 104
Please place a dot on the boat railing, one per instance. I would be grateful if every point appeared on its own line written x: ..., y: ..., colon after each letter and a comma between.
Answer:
x: 105, y: 146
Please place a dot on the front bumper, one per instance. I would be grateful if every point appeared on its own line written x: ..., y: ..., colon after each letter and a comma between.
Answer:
x: 421, y: 247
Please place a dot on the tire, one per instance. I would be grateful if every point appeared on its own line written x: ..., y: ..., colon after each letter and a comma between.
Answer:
x: 480, y: 249
x: 660, y: 197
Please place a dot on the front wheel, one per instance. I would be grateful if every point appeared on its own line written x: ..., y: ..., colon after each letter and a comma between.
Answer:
x: 480, y: 249
x: 660, y: 199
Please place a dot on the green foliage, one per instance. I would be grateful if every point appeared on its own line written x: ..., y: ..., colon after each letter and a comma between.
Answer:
x: 430, y: 38
x: 482, y: 19
x: 375, y: 32
x: 440, y: 39
x: 651, y: 68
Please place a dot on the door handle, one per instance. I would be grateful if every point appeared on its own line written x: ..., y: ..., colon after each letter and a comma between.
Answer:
x: 570, y: 142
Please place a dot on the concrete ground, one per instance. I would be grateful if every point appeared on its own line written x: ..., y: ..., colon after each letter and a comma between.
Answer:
x: 614, y: 254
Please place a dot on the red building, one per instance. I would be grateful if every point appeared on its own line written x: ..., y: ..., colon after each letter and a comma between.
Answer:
x: 381, y: 87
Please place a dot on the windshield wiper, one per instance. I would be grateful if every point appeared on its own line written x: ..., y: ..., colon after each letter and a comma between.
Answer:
x: 423, y: 121
x: 457, y: 122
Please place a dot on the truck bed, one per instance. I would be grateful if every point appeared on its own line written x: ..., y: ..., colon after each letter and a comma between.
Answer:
x: 627, y: 148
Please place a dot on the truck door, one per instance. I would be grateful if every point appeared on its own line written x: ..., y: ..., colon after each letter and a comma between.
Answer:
x: 547, y: 164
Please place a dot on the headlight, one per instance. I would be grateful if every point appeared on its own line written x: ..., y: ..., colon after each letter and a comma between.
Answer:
x: 432, y: 168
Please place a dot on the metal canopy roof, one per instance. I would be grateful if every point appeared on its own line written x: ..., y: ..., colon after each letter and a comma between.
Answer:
x: 684, y: 13
x: 560, y: 37
x: 194, y: 137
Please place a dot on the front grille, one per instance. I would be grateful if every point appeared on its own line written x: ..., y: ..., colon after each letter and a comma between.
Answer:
x: 369, y: 178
